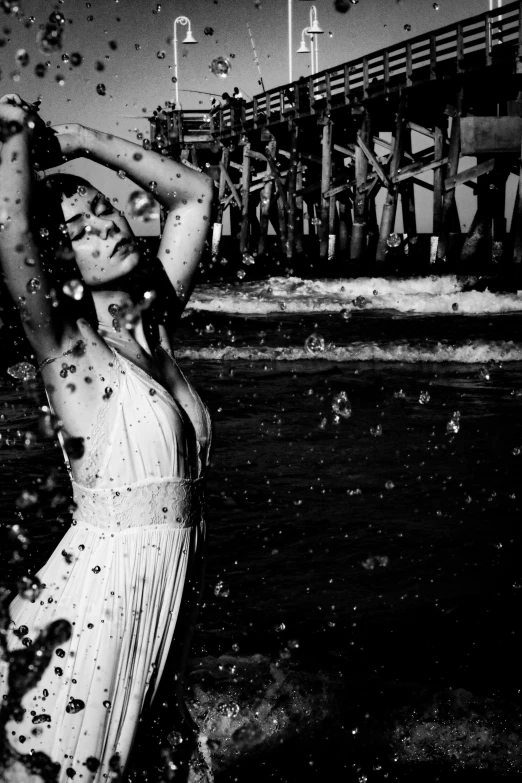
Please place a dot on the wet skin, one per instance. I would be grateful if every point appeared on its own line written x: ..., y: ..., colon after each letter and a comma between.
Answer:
x: 102, y: 240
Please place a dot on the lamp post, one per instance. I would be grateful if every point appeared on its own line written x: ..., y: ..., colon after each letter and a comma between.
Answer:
x: 189, y: 39
x: 312, y: 30
x: 303, y: 48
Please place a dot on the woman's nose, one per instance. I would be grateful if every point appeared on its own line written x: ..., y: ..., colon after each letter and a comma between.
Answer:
x: 105, y: 227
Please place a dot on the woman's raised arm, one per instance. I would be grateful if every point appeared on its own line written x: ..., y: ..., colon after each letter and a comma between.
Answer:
x: 186, y: 195
x: 20, y: 259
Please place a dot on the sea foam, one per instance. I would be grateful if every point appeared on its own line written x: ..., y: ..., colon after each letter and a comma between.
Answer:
x: 414, y: 296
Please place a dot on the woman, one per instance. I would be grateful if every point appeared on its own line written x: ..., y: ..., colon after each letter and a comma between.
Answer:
x: 136, y: 438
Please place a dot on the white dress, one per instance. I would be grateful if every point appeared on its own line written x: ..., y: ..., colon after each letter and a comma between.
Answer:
x: 117, y: 576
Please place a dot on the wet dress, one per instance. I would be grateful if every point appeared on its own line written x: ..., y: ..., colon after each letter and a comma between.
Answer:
x: 117, y: 575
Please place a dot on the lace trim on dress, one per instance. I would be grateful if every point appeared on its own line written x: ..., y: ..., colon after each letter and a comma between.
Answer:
x: 171, y: 502
x: 105, y: 421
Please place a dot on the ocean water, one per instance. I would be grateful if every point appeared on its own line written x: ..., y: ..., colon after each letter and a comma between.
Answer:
x: 363, y: 585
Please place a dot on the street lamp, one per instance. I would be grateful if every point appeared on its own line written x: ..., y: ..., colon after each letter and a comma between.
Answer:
x: 312, y: 30
x: 303, y: 48
x: 315, y: 29
x: 189, y: 39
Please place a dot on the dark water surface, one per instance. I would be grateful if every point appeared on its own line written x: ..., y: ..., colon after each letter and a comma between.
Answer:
x: 363, y: 591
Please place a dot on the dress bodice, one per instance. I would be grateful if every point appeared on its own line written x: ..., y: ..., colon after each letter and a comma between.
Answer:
x: 147, y: 454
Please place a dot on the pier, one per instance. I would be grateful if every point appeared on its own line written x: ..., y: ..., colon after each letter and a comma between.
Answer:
x: 330, y: 160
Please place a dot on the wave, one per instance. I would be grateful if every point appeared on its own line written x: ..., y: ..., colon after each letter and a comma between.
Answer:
x: 415, y: 296
x: 474, y: 352
x: 252, y: 706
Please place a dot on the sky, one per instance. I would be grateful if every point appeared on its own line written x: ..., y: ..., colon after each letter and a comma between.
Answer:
x: 126, y: 45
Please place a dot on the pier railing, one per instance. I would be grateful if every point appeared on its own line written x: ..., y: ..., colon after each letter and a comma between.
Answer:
x: 459, y: 48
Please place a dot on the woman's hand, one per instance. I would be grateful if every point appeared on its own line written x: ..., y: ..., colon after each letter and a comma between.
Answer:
x: 71, y: 138
x: 16, y: 115
x: 13, y: 115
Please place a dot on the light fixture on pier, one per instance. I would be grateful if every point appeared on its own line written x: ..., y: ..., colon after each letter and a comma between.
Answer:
x: 303, y: 49
x: 315, y: 28
x: 189, y: 39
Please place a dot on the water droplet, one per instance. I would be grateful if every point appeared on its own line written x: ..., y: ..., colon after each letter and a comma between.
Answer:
x: 394, y: 240
x: 484, y: 374
x: 107, y: 705
x: 376, y: 431
x: 96, y: 570
x: 279, y: 628
x: 29, y: 587
x: 360, y: 302
x: 160, y: 55
x: 407, y: 27
x: 60, y: 653
x: 424, y: 397
x: 436, y: 7
x: 74, y: 289
x: 220, y: 66
x: 315, y: 343
x: 341, y: 405
x: 22, y: 57
x: 76, y: 59
x: 49, y: 39
x: 23, y: 371
x: 27, y: 499
x: 41, y: 719
x: 174, y: 739
x: 142, y: 205
x: 453, y: 425
x: 121, y: 173
x: 221, y: 591
x: 101, y: 89
x: 389, y: 485
x: 74, y: 706
x: 342, y: 6
x: 33, y: 285
x: 241, y: 274
x: 248, y: 260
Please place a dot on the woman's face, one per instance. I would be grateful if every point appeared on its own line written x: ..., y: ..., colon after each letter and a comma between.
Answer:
x: 101, y: 238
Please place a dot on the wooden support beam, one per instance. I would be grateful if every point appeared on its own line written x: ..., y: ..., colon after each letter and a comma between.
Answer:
x: 409, y: 219
x: 421, y: 129
x: 265, y: 200
x: 217, y: 228
x: 350, y: 153
x: 390, y: 205
x: 291, y: 188
x: 326, y: 176
x: 448, y: 199
x: 230, y: 184
x: 299, y: 233
x: 471, y: 173
x: 282, y: 206
x: 256, y: 155
x: 359, y: 227
x: 418, y: 168
x: 340, y: 188
x: 345, y: 225
x: 225, y: 154
x: 277, y: 177
x: 438, y: 175
x: 245, y: 196
x: 373, y: 160
x: 389, y: 146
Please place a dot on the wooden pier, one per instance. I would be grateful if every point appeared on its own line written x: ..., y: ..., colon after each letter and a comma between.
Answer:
x: 311, y: 157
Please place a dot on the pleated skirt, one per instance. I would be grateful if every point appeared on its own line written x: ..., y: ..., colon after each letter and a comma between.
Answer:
x: 122, y: 593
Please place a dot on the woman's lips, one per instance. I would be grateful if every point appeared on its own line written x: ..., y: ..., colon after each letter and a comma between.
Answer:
x: 124, y: 245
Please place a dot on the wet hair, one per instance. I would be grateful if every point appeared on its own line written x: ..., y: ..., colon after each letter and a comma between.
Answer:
x: 53, y: 240
x: 65, y: 185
